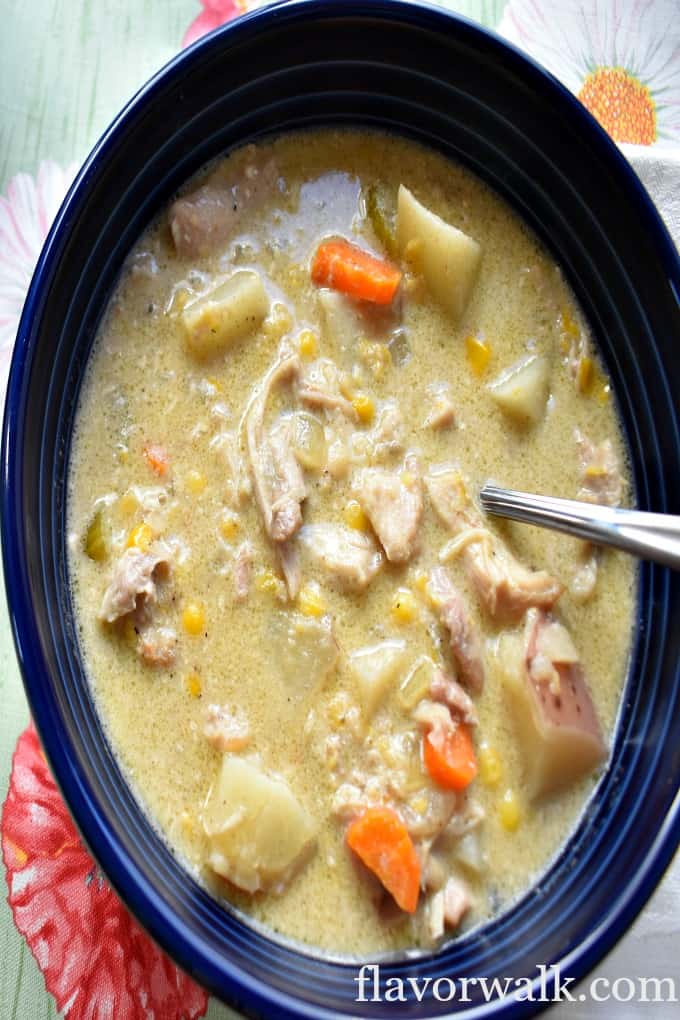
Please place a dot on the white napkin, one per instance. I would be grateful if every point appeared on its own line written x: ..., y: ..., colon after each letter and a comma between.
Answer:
x: 659, y: 170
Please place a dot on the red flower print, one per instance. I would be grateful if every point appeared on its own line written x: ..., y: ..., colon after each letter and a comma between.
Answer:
x: 97, y: 961
x: 214, y: 14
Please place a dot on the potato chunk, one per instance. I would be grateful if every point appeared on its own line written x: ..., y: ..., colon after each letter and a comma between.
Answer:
x: 259, y: 834
x: 232, y: 310
x: 306, y: 652
x: 375, y: 668
x: 559, y: 733
x: 448, y: 258
x: 522, y: 390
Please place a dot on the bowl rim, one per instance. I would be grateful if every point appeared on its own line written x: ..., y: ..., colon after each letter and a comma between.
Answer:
x: 139, y: 895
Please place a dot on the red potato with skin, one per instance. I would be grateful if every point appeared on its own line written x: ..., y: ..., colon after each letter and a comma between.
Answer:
x: 559, y: 732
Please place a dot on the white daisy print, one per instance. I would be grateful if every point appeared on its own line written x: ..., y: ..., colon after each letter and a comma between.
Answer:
x: 620, y: 57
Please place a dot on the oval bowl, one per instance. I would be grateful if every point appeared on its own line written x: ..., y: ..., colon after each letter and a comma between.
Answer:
x: 449, y: 84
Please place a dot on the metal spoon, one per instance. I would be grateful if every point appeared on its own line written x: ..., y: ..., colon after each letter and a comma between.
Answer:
x: 649, y: 536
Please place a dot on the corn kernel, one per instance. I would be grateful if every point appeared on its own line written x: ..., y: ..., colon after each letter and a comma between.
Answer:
x: 478, y: 354
x: 420, y: 582
x: 187, y: 823
x: 268, y: 582
x: 308, y: 343
x: 595, y: 471
x: 140, y: 537
x: 490, y: 766
x: 408, y: 479
x: 278, y: 323
x: 193, y: 618
x: 123, y: 455
x: 584, y: 375
x: 376, y: 356
x: 355, y: 517
x: 364, y: 407
x: 215, y: 383
x: 569, y: 325
x: 128, y: 503
x: 404, y: 606
x: 419, y: 804
x: 603, y: 393
x: 310, y: 601
x: 338, y: 707
x: 195, y: 482
x: 509, y: 811
x: 193, y: 685
x: 229, y: 525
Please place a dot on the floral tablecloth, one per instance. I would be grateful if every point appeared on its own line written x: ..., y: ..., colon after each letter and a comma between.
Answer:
x: 67, y: 945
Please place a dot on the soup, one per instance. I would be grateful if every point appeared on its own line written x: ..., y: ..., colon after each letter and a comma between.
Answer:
x: 358, y: 710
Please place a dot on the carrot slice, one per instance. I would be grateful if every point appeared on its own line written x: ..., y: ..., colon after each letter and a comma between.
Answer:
x: 449, y: 757
x: 157, y: 458
x: 351, y: 270
x: 381, y: 840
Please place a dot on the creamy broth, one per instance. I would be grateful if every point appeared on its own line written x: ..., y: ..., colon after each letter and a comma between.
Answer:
x: 157, y: 432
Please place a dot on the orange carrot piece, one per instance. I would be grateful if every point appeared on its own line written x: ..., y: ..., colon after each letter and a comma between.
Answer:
x: 157, y: 458
x: 351, y: 270
x: 449, y: 757
x: 382, y: 841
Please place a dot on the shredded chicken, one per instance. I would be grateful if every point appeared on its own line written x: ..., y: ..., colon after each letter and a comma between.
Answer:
x: 441, y: 413
x: 225, y: 730
x: 393, y: 502
x: 278, y: 482
x: 447, y: 907
x: 237, y: 485
x: 157, y: 646
x: 464, y: 640
x: 600, y: 471
x: 133, y: 581
x: 446, y: 690
x: 387, y: 435
x: 319, y: 386
x: 505, y: 586
x: 243, y: 570
x: 204, y: 220
x: 349, y: 557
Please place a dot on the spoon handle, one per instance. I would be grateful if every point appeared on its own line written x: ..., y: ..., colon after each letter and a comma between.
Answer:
x: 649, y: 536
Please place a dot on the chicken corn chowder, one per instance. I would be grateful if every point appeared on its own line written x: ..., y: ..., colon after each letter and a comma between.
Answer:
x: 357, y: 709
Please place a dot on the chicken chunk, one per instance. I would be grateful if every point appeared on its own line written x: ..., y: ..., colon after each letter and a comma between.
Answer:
x: 350, y: 558
x: 225, y: 730
x: 243, y: 571
x: 442, y: 412
x: 204, y: 220
x: 157, y: 646
x: 464, y: 640
x: 133, y: 581
x: 456, y: 902
x: 600, y: 471
x: 393, y: 502
x: 504, y: 585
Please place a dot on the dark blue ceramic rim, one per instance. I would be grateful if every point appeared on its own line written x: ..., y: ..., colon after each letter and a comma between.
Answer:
x: 629, y: 833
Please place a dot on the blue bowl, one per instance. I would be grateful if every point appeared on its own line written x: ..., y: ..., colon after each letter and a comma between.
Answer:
x: 451, y: 85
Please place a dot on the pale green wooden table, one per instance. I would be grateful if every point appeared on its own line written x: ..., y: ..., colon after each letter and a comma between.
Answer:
x: 66, y: 68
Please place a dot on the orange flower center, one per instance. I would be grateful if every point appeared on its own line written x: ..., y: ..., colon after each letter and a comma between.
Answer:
x: 621, y: 103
